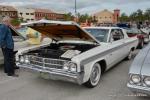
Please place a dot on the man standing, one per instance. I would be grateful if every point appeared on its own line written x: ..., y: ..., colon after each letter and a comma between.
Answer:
x: 7, y: 45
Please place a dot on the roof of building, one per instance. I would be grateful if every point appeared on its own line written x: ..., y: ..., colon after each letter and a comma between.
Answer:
x: 43, y: 10
x: 7, y: 8
x: 103, y: 11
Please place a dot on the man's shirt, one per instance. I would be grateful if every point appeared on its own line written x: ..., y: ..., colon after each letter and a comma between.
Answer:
x: 6, y: 40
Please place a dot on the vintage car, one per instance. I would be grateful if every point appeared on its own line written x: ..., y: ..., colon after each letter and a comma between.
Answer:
x: 142, y: 36
x: 75, y: 54
x: 139, y: 73
x: 20, y: 41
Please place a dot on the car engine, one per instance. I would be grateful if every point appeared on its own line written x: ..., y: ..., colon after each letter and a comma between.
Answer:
x: 62, y: 50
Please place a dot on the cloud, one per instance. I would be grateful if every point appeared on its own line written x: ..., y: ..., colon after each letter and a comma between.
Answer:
x: 83, y: 6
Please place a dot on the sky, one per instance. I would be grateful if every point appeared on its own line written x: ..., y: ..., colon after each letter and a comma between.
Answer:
x: 83, y: 6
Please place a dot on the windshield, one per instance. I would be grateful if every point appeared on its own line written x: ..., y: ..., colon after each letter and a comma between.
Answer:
x: 22, y: 31
x: 100, y: 34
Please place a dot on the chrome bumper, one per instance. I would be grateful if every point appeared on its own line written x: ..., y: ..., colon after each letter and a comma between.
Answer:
x: 139, y: 89
x: 55, y: 74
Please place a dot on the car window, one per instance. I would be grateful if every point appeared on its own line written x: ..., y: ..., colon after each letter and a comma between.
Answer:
x: 133, y: 30
x: 116, y: 34
x: 100, y: 34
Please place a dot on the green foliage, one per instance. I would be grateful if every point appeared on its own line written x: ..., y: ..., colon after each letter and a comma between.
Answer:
x: 15, y: 22
x: 68, y: 16
x: 84, y: 17
x: 124, y: 17
x: 136, y: 16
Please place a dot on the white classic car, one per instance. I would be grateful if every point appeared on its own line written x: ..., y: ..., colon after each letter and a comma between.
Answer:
x: 75, y: 54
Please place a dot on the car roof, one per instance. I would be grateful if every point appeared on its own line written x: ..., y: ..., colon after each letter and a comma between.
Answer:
x: 102, y: 27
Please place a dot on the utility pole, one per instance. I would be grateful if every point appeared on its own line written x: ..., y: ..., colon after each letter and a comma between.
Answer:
x: 75, y: 8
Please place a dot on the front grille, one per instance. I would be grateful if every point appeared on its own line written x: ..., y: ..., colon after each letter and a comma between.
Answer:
x: 47, y: 62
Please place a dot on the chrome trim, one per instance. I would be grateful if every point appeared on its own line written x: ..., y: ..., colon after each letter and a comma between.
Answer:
x: 139, y: 89
x: 55, y: 74
x: 47, y: 62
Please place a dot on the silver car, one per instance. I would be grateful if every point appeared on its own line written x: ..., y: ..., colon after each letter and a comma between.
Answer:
x: 139, y: 73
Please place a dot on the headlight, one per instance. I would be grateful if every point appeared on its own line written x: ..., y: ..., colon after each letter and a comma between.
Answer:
x: 66, y: 66
x: 22, y: 59
x: 27, y: 59
x: 147, y: 81
x: 70, y: 66
x: 136, y: 79
x: 73, y: 67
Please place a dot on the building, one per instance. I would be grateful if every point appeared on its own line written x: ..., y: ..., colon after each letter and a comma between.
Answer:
x: 30, y: 14
x: 59, y: 16
x: 47, y: 14
x: 107, y: 17
x: 26, y: 14
x: 8, y: 11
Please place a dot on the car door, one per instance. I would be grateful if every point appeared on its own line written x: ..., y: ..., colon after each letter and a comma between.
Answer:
x: 116, y: 47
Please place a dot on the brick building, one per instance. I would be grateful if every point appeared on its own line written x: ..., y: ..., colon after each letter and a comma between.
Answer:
x: 8, y: 11
x: 48, y: 14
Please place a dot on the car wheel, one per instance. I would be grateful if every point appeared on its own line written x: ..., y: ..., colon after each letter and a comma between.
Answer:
x: 94, y: 77
x: 129, y: 55
x: 141, y: 45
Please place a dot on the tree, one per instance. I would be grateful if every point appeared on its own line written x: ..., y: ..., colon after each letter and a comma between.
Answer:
x: 124, y: 17
x: 140, y: 15
x: 68, y: 16
x: 15, y: 22
x: 147, y: 14
x: 133, y: 16
x: 84, y: 17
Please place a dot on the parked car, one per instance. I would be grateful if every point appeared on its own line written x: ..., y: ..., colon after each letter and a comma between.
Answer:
x: 142, y: 37
x: 139, y: 73
x: 76, y: 55
x: 20, y: 41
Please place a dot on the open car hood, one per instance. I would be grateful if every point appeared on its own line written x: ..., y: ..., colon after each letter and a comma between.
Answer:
x: 61, y: 30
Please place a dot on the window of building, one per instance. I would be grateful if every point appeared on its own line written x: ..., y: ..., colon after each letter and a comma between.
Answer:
x: 31, y: 13
x: 14, y: 13
x: 27, y: 13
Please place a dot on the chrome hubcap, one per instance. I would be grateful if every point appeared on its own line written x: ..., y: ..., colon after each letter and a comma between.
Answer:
x: 95, y: 75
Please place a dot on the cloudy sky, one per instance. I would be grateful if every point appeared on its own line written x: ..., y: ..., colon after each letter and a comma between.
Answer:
x: 83, y: 6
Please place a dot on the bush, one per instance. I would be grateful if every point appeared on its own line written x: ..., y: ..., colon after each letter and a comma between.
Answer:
x: 15, y: 22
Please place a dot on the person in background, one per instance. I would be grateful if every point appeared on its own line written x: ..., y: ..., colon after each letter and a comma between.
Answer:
x: 7, y: 45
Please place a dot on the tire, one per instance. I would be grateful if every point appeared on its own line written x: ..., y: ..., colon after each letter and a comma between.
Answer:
x: 129, y: 55
x: 94, y: 77
x: 141, y: 45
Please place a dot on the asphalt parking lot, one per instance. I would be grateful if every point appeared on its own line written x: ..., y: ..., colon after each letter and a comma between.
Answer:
x: 29, y: 86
